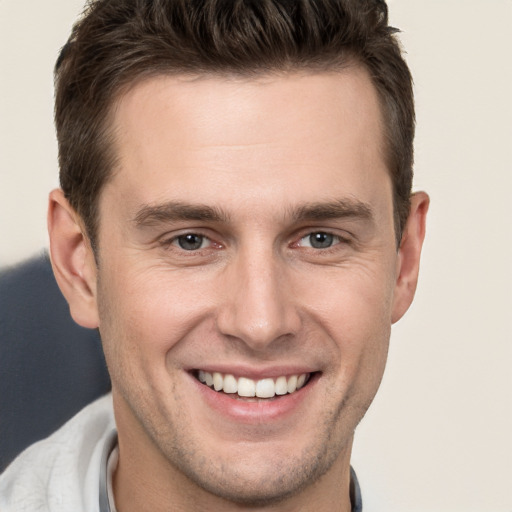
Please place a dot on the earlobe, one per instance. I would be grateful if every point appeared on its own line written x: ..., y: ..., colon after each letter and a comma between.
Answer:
x: 72, y: 260
x: 409, y: 255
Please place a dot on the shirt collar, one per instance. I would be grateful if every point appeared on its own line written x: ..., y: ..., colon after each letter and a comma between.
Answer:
x: 355, y: 492
x: 106, y: 505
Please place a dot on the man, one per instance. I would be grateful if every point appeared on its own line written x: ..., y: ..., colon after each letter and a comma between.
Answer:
x: 236, y: 218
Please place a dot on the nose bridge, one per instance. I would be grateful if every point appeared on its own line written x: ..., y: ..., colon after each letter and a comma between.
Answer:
x: 258, y: 307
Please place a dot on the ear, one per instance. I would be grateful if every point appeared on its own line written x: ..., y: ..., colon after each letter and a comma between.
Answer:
x: 408, y: 263
x: 72, y: 259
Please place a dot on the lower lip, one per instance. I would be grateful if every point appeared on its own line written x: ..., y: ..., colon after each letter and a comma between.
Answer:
x: 260, y: 411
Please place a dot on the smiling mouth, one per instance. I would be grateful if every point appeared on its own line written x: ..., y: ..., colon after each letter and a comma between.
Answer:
x: 244, y: 388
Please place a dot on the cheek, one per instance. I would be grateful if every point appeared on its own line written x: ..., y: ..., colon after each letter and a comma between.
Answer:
x: 351, y: 300
x: 354, y: 308
x: 148, y: 311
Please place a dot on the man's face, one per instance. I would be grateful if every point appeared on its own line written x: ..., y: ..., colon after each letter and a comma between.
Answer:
x: 246, y: 236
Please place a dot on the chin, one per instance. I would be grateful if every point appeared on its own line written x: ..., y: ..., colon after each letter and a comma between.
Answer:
x: 253, y: 482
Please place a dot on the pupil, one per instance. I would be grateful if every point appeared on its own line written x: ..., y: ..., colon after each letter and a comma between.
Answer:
x: 321, y: 240
x: 190, y: 242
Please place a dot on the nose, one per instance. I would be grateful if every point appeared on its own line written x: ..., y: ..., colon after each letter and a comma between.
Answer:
x: 258, y: 306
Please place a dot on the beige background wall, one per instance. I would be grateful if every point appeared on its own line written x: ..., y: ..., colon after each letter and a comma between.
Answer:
x: 439, y: 435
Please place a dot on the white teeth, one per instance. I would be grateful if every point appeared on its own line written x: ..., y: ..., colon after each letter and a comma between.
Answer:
x: 263, y: 388
x: 218, y: 381
x: 230, y: 384
x: 281, y: 386
x: 292, y: 383
x: 246, y: 387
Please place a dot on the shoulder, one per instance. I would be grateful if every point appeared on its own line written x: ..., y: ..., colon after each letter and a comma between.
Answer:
x: 61, y: 473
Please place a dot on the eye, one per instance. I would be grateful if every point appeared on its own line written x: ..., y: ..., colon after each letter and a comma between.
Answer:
x: 191, y: 242
x: 319, y: 240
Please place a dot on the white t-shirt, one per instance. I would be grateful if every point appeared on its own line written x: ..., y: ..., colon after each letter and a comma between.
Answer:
x: 63, y: 472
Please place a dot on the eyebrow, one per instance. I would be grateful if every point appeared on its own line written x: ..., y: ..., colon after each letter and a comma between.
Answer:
x: 172, y: 211
x: 342, y: 208
x: 151, y: 215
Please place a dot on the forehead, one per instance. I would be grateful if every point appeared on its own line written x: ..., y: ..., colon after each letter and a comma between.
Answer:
x: 226, y: 138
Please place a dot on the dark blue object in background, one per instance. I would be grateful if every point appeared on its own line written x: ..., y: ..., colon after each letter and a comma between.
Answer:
x: 50, y: 367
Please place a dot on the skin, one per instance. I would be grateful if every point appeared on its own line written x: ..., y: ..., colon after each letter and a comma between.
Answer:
x: 260, y: 164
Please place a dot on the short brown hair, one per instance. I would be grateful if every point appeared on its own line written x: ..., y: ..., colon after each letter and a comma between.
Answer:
x: 119, y: 42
